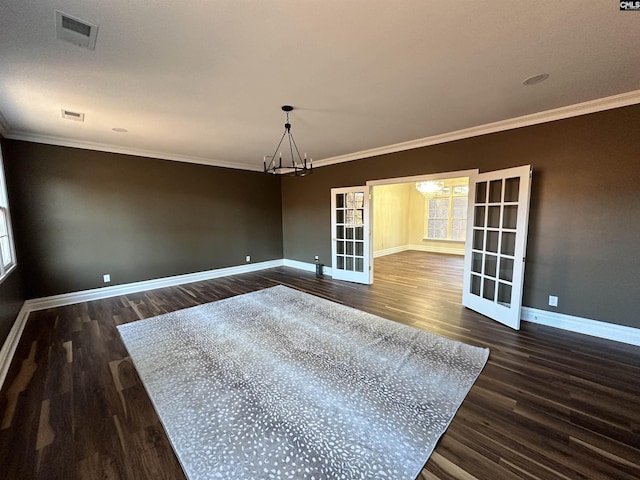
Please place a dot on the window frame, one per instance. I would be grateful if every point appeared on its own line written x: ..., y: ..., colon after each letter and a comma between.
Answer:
x: 451, y: 185
x: 4, y: 206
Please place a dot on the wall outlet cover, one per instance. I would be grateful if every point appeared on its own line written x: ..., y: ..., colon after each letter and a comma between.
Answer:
x: 106, y: 277
x: 553, y: 301
x: 248, y: 258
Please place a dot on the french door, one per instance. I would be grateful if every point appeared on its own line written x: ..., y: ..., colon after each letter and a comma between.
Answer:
x: 494, y: 260
x: 350, y: 235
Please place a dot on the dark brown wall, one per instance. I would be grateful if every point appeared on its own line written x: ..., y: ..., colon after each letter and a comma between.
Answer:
x: 79, y: 214
x: 585, y: 207
x: 11, y: 300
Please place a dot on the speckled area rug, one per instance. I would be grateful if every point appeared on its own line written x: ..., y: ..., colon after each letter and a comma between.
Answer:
x: 280, y: 384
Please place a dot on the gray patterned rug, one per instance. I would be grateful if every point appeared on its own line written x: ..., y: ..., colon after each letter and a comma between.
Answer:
x: 279, y: 384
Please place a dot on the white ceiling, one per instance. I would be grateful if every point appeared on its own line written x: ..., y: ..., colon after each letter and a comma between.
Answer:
x: 204, y: 81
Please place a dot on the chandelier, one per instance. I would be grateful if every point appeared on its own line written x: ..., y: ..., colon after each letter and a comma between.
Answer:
x: 298, y: 166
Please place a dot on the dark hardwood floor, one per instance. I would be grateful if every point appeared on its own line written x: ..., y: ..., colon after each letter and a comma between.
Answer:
x: 549, y: 404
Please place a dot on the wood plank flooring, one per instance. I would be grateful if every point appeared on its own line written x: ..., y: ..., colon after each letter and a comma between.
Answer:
x: 548, y: 405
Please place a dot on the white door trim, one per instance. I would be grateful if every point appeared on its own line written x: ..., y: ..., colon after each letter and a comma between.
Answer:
x: 423, y: 177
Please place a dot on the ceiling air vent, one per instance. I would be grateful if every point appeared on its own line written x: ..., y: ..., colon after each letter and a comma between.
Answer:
x: 77, y: 31
x: 69, y: 115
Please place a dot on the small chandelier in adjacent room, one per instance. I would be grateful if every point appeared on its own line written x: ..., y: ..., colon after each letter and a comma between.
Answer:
x: 298, y: 165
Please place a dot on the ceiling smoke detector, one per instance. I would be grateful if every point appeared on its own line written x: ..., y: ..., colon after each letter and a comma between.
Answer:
x: 69, y: 115
x: 77, y: 31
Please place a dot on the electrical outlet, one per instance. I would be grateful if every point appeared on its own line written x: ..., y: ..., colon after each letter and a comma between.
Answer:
x: 553, y: 301
x: 248, y: 258
x: 317, y: 258
x: 106, y: 277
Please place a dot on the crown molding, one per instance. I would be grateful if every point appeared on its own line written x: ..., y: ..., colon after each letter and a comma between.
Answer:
x: 105, y: 147
x: 584, y: 108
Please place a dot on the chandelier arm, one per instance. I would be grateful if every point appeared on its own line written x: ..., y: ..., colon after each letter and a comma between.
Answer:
x: 303, y: 163
x: 273, y: 158
x: 291, y: 142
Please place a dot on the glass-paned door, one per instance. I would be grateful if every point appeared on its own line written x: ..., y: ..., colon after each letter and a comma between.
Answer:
x: 350, y: 235
x: 497, y: 221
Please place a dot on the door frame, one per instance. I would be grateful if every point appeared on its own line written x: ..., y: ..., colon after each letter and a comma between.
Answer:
x: 393, y: 181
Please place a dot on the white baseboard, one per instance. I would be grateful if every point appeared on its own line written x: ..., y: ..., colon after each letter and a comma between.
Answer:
x: 437, y: 249
x: 115, y: 290
x: 11, y: 343
x: 308, y: 267
x: 420, y: 248
x: 595, y: 328
x: 390, y: 251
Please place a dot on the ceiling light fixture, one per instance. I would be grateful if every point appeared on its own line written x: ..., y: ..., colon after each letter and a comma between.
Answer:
x: 535, y: 79
x: 273, y: 165
x: 430, y: 187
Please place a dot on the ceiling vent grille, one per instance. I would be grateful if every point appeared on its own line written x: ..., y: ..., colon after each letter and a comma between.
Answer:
x: 77, y: 31
x: 69, y: 115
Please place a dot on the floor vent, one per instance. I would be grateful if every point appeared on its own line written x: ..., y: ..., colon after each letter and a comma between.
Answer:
x: 77, y: 31
x: 69, y: 115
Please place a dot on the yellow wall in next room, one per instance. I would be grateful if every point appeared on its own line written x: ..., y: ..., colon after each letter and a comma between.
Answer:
x: 398, y: 221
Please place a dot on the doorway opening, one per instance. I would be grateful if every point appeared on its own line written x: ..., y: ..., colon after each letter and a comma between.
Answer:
x: 420, y: 213
x: 423, y: 215
x: 496, y: 233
